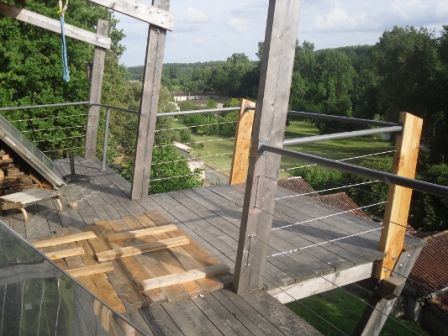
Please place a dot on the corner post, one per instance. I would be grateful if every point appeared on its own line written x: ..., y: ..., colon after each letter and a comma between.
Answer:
x: 96, y: 86
x: 399, y: 198
x: 269, y: 127
x: 240, y: 159
x: 152, y: 78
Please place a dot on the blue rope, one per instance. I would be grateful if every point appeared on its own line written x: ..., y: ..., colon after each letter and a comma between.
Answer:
x: 64, y: 51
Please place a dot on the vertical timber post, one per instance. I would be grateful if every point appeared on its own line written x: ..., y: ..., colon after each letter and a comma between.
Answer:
x: 399, y: 198
x: 96, y: 86
x: 240, y: 159
x: 269, y: 128
x: 152, y: 78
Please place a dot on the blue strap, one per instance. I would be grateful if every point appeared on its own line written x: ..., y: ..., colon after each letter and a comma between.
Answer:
x: 64, y: 51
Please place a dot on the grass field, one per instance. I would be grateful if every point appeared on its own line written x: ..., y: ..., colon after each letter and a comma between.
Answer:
x: 335, y: 149
x: 336, y: 313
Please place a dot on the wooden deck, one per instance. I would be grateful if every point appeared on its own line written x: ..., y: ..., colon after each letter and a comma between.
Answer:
x: 211, y: 217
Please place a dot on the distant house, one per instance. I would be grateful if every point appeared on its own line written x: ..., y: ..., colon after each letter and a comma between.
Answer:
x: 426, y: 291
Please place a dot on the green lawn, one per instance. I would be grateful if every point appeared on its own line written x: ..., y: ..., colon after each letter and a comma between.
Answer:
x: 336, y: 313
x: 335, y: 149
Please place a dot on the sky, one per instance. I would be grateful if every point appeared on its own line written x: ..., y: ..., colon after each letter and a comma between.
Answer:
x: 207, y: 30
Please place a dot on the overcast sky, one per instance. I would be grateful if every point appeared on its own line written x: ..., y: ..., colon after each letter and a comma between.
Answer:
x: 215, y: 29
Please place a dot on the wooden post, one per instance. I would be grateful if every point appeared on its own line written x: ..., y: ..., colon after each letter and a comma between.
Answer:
x: 269, y: 127
x: 96, y: 86
x: 381, y: 303
x: 240, y: 160
x: 399, y: 198
x: 149, y: 105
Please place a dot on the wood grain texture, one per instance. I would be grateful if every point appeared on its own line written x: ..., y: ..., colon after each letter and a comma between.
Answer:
x: 241, y: 151
x: 141, y: 232
x: 149, y: 104
x: 179, y: 278
x: 142, y: 248
x: 91, y: 270
x: 47, y: 23
x: 153, y: 15
x: 64, y: 239
x: 96, y: 88
x: 269, y: 128
x: 399, y: 198
x: 70, y: 252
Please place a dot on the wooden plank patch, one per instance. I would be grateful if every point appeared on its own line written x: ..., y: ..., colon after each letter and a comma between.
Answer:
x: 64, y: 239
x: 70, y: 252
x: 142, y: 248
x: 179, y: 278
x: 141, y: 232
x: 91, y: 270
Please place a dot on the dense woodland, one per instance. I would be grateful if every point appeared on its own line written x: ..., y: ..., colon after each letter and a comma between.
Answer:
x: 407, y: 70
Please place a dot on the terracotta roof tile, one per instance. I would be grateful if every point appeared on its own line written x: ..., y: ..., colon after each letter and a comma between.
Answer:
x: 430, y: 272
x: 296, y: 184
x: 343, y: 202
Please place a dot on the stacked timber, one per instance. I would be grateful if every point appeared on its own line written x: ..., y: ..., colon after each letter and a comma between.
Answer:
x: 12, y: 178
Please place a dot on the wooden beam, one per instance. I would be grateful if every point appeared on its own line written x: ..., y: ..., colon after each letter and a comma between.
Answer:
x: 70, y: 252
x: 322, y: 283
x: 47, y: 23
x: 141, y: 232
x: 64, y: 239
x: 241, y: 151
x: 142, y: 248
x: 153, y: 15
x: 91, y: 270
x: 148, y: 107
x: 399, y: 198
x: 180, y: 278
x: 96, y: 88
x: 269, y: 127
x: 378, y: 309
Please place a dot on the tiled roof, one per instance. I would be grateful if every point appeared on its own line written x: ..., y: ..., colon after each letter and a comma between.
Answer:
x: 339, y: 201
x: 430, y: 272
x: 343, y: 202
x: 441, y: 301
x: 296, y: 184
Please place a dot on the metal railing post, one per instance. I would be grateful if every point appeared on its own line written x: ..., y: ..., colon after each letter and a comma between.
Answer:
x: 106, y: 139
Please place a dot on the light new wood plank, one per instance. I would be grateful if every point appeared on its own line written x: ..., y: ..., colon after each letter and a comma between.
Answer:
x: 141, y: 232
x: 91, y: 270
x: 175, y: 279
x: 139, y: 10
x: 241, y: 151
x: 399, y: 198
x: 142, y: 248
x: 47, y: 23
x: 70, y: 252
x: 64, y: 239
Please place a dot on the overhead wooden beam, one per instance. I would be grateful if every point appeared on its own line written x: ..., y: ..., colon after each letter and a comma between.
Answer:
x: 149, y: 105
x: 47, y: 23
x: 269, y: 128
x: 399, y: 198
x: 96, y: 89
x: 240, y: 159
x: 153, y: 15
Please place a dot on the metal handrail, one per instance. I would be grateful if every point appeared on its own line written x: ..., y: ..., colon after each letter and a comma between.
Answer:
x: 342, y: 135
x: 388, y: 178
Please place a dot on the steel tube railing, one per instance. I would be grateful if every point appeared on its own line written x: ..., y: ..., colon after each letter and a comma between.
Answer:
x: 388, y: 178
x: 215, y: 110
x: 314, y: 115
x: 343, y: 135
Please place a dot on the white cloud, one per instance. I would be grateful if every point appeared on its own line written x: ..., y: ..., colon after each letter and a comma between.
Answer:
x: 194, y: 15
x: 340, y: 19
x: 238, y: 24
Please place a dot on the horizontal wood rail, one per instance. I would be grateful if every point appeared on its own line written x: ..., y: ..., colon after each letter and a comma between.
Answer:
x: 53, y: 25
